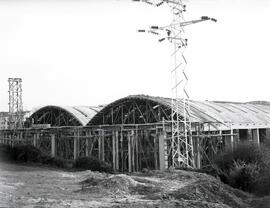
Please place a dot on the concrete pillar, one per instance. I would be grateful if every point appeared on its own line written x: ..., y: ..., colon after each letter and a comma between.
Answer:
x: 161, y: 143
x: 249, y: 135
x: 256, y: 136
x: 87, y: 146
x: 113, y: 150
x: 232, y: 139
x: 75, y: 146
x: 267, y: 134
x: 129, y: 154
x: 197, y: 152
x: 116, y: 151
x: 53, y: 145
x: 36, y: 138
x: 156, y: 143
x: 101, y: 155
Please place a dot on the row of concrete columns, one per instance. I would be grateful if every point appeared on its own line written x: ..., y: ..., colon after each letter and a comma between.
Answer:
x: 160, y: 146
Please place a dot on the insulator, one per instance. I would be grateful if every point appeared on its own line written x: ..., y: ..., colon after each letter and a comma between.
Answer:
x: 162, y: 39
x: 184, y: 8
x: 148, y: 2
x: 153, y: 32
x: 205, y: 18
x: 141, y: 30
x: 159, y: 4
x: 213, y: 19
x: 154, y: 27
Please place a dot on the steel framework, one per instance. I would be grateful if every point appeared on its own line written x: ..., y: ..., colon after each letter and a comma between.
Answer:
x: 15, y: 103
x: 54, y: 116
x: 181, y: 138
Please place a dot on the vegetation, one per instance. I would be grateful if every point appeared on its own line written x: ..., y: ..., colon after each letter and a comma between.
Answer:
x: 31, y: 154
x: 92, y: 163
x: 246, y: 167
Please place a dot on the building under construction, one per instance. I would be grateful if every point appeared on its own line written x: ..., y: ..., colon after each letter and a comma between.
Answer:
x: 134, y: 132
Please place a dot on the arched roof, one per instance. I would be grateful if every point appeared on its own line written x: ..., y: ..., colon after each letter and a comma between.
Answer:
x: 235, y: 113
x: 64, y: 115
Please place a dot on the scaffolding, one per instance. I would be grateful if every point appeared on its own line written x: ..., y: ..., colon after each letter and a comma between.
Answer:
x: 15, y: 118
x: 181, y: 138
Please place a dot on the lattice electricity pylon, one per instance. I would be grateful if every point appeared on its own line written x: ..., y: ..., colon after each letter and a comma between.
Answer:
x: 15, y: 103
x: 181, y: 139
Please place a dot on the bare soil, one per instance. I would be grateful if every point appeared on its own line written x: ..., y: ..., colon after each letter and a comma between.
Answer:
x: 37, y: 186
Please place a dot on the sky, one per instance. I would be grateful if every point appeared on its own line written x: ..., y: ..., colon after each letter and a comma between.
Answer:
x: 79, y: 52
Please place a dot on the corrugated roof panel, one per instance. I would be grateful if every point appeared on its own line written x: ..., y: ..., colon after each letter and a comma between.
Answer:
x: 215, y: 111
x: 82, y: 113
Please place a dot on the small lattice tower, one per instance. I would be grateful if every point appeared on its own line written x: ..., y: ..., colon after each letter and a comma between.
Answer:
x: 15, y: 103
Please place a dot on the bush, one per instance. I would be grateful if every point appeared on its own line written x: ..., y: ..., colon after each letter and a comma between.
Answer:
x: 246, y: 152
x: 246, y: 167
x: 5, y: 152
x: 244, y: 175
x: 29, y: 153
x: 91, y: 163
x: 26, y: 153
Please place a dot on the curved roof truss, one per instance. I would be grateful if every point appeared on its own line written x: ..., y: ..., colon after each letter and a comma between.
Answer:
x: 63, y: 115
x: 138, y: 109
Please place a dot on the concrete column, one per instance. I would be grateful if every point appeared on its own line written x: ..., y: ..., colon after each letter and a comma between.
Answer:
x: 53, y: 145
x: 116, y: 151
x: 129, y: 154
x: 35, y: 141
x: 75, y: 146
x: 267, y: 134
x: 232, y: 139
x: 101, y: 145
x: 256, y: 136
x: 113, y: 150
x: 249, y: 135
x: 87, y: 143
x: 161, y: 143
x: 198, y: 151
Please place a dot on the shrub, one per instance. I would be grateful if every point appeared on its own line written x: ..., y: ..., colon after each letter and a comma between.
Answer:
x: 243, y: 175
x: 246, y: 167
x: 26, y: 153
x: 92, y: 163
x: 246, y: 152
x: 5, y: 152
x: 29, y: 153
x: 263, y: 183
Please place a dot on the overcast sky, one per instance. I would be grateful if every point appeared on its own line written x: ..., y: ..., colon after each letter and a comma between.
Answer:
x: 88, y: 52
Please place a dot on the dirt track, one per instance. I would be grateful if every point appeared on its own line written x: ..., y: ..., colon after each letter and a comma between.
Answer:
x: 28, y: 186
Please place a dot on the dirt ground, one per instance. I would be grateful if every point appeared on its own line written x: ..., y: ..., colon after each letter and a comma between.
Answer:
x: 30, y: 186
